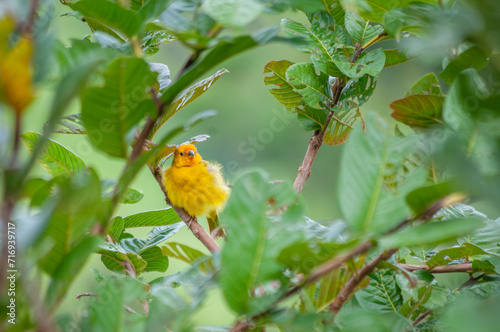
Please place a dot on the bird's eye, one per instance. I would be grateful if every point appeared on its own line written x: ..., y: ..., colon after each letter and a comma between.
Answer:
x: 182, y: 154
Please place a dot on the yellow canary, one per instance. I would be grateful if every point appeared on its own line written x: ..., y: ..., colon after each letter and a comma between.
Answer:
x: 197, y: 186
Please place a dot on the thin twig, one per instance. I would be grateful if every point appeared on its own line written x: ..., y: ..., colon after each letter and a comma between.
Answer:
x: 341, y: 122
x: 422, y: 317
x: 27, y: 27
x: 79, y: 296
x: 139, y: 145
x: 466, y: 267
x: 192, y: 59
x: 351, y: 285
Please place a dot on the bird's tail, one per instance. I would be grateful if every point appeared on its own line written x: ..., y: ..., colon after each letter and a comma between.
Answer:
x: 216, y: 231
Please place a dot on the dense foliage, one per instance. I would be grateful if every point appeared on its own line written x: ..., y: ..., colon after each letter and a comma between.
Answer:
x: 408, y: 187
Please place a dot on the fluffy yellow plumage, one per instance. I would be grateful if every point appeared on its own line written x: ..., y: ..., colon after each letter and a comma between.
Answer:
x: 196, y: 185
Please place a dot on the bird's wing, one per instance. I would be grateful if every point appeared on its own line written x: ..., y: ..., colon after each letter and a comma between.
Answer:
x: 215, y: 170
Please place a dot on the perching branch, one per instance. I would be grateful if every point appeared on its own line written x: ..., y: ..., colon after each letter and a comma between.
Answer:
x: 466, y: 267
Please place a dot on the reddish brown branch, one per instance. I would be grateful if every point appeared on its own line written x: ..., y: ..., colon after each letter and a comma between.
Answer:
x: 466, y: 267
x: 316, y: 141
x: 353, y: 283
x: 422, y: 317
x: 79, y: 296
x: 144, y: 134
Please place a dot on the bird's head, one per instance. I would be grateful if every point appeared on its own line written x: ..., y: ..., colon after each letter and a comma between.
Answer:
x: 186, y: 155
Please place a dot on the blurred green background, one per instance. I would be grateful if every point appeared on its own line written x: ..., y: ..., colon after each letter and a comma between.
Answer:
x: 249, y: 119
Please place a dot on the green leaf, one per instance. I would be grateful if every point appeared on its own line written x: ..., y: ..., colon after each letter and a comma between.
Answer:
x: 487, y: 237
x: 291, y: 320
x: 115, y: 228
x: 322, y: 38
x: 186, y: 97
x: 474, y: 57
x: 67, y: 88
x: 360, y: 30
x: 478, y: 313
x: 187, y: 254
x: 356, y: 93
x: 151, y: 9
x: 419, y: 111
x: 341, y: 125
x: 285, y: 92
x: 72, y: 218
x: 55, y: 158
x: 364, y: 203
x: 98, y: 26
x: 382, y: 294
x: 233, y: 13
x: 305, y: 256
x: 109, y: 13
x: 113, y: 256
x: 427, y: 85
x: 446, y: 256
x: 422, y: 198
x: 322, y: 292
x: 413, y: 19
x: 334, y: 8
x: 313, y: 88
x: 249, y: 257
x: 132, y: 196
x: 434, y: 232
x: 374, y: 321
x: 152, y: 218
x: 456, y: 112
x: 156, y: 261
x: 70, y: 124
x: 394, y: 57
x: 163, y: 74
x: 414, y: 307
x: 111, y: 112
x: 311, y: 118
x: 370, y: 63
x: 109, y: 315
x: 483, y: 266
x: 152, y: 40
x: 374, y: 10
x: 156, y: 236
x: 72, y: 263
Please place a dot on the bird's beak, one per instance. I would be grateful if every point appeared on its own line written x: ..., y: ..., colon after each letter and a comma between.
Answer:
x: 190, y: 153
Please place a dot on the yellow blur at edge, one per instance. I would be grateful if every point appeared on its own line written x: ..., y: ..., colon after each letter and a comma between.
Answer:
x: 15, y: 68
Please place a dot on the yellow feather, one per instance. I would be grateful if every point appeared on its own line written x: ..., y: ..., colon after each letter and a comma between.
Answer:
x: 195, y: 185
